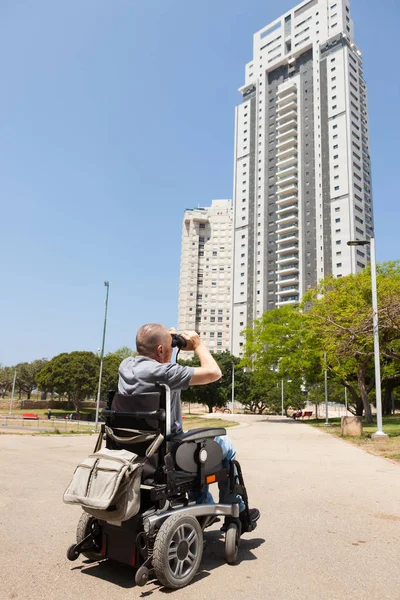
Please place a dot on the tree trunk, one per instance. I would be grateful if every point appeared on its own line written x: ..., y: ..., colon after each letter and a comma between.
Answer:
x: 210, y: 408
x: 359, y: 407
x: 28, y: 395
x: 364, y: 395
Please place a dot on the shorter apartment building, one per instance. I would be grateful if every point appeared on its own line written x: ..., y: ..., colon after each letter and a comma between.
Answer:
x: 206, y: 274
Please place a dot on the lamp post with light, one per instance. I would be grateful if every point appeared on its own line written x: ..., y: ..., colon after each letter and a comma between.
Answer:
x: 379, y: 433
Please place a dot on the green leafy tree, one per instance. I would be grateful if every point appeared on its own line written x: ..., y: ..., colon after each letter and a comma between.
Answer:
x: 26, y: 376
x: 111, y: 363
x: 6, y: 379
x: 213, y: 394
x: 74, y: 375
x: 339, y: 320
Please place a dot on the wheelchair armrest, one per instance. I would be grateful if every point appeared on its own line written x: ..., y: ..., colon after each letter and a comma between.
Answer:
x: 198, y: 434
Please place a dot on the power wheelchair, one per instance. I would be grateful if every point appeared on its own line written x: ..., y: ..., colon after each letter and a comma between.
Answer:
x: 165, y: 538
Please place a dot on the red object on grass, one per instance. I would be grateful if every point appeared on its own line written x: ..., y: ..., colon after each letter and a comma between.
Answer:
x: 30, y: 416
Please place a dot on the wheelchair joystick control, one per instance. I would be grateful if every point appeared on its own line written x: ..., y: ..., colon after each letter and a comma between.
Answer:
x: 203, y: 455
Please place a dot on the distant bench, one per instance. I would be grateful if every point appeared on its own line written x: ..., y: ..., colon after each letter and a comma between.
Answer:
x: 30, y: 416
x: 307, y: 414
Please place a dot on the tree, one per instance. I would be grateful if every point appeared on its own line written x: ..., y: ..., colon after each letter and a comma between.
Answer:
x: 213, y: 394
x: 339, y: 319
x: 278, y: 348
x: 6, y: 379
x: 26, y: 376
x: 74, y: 375
x: 111, y: 363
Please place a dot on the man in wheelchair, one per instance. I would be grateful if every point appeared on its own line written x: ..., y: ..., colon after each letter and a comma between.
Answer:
x: 153, y: 364
x: 145, y: 496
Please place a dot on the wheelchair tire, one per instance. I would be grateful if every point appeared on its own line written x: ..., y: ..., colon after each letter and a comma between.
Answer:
x: 83, y: 529
x: 178, y: 549
x: 231, y: 543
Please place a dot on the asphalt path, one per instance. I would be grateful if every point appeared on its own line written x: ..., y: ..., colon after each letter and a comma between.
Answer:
x: 330, y: 526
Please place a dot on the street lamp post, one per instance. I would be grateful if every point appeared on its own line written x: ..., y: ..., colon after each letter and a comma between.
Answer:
x: 13, y: 390
x: 106, y: 283
x: 233, y: 386
x: 283, y: 399
x: 379, y: 433
x: 326, y: 392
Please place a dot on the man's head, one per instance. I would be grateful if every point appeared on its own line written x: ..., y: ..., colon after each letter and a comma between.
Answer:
x: 154, y: 341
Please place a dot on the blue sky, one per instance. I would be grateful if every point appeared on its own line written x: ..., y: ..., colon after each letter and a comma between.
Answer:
x: 116, y: 115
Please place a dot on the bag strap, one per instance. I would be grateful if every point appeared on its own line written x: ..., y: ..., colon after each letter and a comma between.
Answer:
x: 99, y: 442
x: 154, y: 446
x: 135, y: 439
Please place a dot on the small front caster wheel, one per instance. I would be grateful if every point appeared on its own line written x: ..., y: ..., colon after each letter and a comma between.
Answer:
x: 142, y: 576
x: 231, y: 543
x: 72, y: 553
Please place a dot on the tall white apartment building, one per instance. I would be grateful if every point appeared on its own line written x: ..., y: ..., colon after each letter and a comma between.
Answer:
x: 302, y: 181
x: 206, y: 274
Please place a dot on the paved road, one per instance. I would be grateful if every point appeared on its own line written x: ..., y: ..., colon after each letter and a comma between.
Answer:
x: 330, y: 525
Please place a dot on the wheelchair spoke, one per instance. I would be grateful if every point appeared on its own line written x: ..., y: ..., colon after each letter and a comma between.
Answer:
x: 179, y: 568
x: 191, y: 537
x: 180, y: 533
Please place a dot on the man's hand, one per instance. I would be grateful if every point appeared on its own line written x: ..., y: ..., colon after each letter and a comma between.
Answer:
x: 192, y: 340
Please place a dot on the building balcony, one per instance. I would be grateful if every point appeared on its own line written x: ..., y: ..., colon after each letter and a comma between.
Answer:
x: 288, y: 219
x: 286, y: 117
x: 282, y: 127
x: 288, y: 291
x: 284, y: 210
x: 287, y: 190
x: 285, y: 106
x: 286, y: 153
x: 288, y: 259
x: 288, y: 300
x: 289, y: 249
x: 288, y: 180
x: 287, y: 170
x: 287, y: 143
x: 291, y: 227
x: 287, y: 162
x: 288, y: 90
x: 287, y: 240
x: 287, y: 133
x: 286, y: 200
x: 291, y: 277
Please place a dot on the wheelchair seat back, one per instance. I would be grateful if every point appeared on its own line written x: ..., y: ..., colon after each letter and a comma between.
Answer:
x: 128, y: 415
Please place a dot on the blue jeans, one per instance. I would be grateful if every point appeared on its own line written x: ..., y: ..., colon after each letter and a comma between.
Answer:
x: 225, y: 497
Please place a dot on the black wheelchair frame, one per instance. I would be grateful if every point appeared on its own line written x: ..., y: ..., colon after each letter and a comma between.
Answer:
x: 165, y: 538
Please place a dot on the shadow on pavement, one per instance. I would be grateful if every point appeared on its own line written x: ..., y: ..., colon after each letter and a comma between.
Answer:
x: 213, y: 558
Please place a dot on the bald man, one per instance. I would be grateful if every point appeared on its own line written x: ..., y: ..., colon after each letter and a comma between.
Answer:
x: 139, y: 374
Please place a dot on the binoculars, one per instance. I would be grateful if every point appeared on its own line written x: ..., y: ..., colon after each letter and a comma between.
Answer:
x: 178, y: 341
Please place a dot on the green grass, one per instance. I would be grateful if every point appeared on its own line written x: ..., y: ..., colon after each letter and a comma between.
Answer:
x: 391, y: 426
x: 56, y: 412
x: 198, y: 422
x: 388, y: 447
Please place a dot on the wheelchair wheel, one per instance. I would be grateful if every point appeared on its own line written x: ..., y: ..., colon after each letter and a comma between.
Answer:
x: 178, y: 549
x: 85, y: 526
x: 231, y: 543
